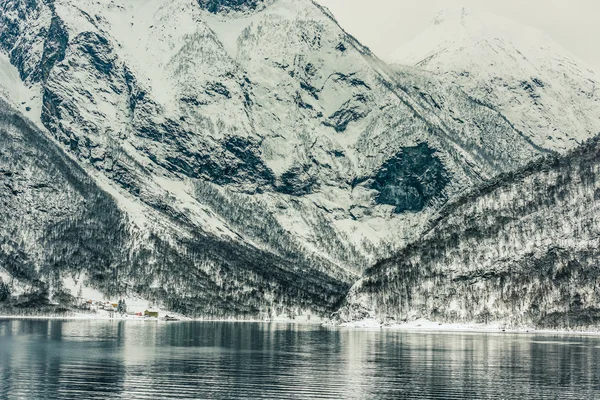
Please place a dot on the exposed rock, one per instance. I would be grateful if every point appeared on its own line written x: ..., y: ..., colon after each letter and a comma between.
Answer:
x: 297, y: 181
x: 540, y: 87
x: 414, y: 179
x: 219, y: 6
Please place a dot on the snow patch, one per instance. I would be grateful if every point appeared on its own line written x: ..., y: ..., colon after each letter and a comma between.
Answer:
x: 12, y: 89
x: 78, y: 286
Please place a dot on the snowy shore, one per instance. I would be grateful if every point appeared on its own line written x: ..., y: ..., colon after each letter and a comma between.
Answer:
x: 107, y: 317
x: 432, y: 326
x: 83, y: 317
x: 370, y: 324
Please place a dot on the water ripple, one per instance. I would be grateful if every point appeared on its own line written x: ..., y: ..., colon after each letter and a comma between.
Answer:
x: 115, y: 360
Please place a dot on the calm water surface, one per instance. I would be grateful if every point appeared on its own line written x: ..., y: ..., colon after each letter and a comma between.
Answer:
x: 216, y: 360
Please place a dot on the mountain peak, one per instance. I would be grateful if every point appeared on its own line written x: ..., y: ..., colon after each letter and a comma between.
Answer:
x: 457, y: 29
x: 466, y: 23
x: 541, y: 87
x: 452, y: 14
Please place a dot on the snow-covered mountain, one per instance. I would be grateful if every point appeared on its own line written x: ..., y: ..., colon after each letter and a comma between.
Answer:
x: 63, y: 228
x: 520, y: 251
x: 543, y: 90
x: 260, y: 156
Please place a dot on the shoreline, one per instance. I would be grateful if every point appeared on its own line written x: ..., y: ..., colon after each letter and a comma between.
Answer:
x: 316, y: 321
x: 437, y: 327
x: 369, y: 325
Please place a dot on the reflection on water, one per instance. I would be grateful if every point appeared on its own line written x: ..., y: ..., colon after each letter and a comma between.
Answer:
x: 217, y: 360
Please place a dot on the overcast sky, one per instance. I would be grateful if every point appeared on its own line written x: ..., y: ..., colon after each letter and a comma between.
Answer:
x: 384, y: 24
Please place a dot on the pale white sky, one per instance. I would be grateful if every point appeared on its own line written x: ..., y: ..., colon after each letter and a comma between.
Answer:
x: 383, y: 25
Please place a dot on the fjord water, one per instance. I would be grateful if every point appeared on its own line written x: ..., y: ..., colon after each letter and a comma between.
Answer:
x: 53, y: 359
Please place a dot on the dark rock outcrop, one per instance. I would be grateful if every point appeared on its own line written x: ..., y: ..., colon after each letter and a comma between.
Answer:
x: 218, y: 6
x: 412, y: 180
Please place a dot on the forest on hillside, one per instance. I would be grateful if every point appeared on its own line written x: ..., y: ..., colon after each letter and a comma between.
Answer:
x: 56, y: 223
x: 521, y: 250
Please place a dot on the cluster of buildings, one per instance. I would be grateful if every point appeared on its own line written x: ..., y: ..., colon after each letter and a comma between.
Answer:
x: 118, y: 308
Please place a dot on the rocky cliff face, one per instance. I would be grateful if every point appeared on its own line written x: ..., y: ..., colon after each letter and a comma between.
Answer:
x: 54, y: 219
x: 281, y: 104
x: 520, y: 251
x: 228, y: 6
x: 262, y: 124
x: 59, y: 229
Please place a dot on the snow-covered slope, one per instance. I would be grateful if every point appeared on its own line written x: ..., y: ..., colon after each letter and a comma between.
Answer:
x: 13, y: 91
x: 280, y: 101
x: 520, y: 251
x: 61, y: 229
x: 542, y: 89
x: 257, y: 123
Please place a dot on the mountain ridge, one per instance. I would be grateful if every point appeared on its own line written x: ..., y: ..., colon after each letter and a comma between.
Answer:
x: 269, y: 133
x: 518, y: 251
x: 541, y: 88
